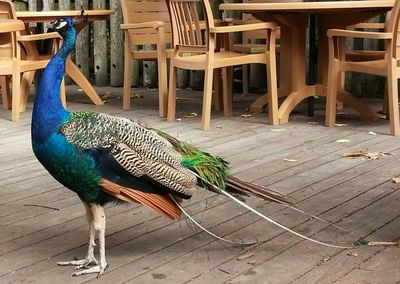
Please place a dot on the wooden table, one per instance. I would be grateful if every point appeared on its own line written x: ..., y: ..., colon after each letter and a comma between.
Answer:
x: 293, y: 18
x: 71, y: 69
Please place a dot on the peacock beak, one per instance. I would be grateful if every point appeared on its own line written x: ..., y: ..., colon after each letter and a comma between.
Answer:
x: 51, y: 25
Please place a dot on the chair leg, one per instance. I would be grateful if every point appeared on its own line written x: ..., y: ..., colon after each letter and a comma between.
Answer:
x: 172, y: 94
x: 16, y: 94
x: 27, y: 79
x: 331, y: 94
x: 227, y: 90
x: 341, y: 78
x: 218, y: 103
x: 385, y: 104
x: 207, y: 98
x: 162, y: 82
x: 5, y: 92
x: 272, y: 81
x: 245, y: 79
x: 62, y: 93
x: 126, y: 93
x: 393, y: 98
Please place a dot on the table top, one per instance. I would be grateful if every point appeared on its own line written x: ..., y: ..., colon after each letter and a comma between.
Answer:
x: 8, y: 25
x: 47, y: 16
x: 310, y: 7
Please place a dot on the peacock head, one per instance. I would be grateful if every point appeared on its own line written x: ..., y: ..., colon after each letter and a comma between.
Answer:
x: 62, y: 25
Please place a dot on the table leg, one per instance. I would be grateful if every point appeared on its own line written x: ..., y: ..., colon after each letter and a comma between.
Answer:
x: 76, y: 75
x: 261, y: 102
x: 293, y: 39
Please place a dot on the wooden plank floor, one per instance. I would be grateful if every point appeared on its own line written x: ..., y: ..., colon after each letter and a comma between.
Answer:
x: 142, y: 247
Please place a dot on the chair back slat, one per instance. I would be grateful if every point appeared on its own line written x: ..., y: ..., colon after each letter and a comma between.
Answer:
x: 7, y: 11
x: 139, y: 11
x: 392, y: 26
x: 190, y: 32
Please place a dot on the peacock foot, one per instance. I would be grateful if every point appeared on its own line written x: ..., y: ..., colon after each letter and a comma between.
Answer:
x: 80, y: 263
x: 99, y: 269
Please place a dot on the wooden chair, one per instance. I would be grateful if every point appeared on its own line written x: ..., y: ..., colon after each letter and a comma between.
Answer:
x: 386, y: 66
x: 20, y: 59
x: 196, y: 50
x: 146, y: 22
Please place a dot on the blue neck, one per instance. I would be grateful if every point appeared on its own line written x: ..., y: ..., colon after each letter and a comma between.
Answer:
x: 48, y: 111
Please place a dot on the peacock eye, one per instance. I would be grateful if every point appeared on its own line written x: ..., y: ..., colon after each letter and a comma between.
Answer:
x: 61, y: 23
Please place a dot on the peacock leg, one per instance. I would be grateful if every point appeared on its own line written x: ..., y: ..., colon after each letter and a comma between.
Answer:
x: 99, y: 224
x: 90, y: 259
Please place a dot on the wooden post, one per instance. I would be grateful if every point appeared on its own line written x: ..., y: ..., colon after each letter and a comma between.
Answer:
x: 116, y: 45
x: 82, y: 43
x: 100, y: 46
x: 48, y: 5
x: 64, y: 4
x: 149, y: 70
x: 182, y: 78
x: 135, y: 71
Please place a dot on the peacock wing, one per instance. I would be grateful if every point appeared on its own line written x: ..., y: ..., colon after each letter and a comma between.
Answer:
x: 138, y: 150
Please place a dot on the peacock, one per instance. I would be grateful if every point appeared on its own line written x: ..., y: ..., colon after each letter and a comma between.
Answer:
x: 103, y: 159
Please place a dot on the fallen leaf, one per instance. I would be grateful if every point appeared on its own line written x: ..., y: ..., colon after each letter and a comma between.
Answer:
x: 190, y: 115
x: 290, y: 160
x: 355, y: 254
x: 343, y: 141
x: 105, y: 96
x: 244, y: 256
x: 246, y: 115
x: 365, y: 155
x: 137, y: 96
x: 340, y: 124
x: 372, y: 133
x: 381, y: 115
x: 326, y: 259
x: 396, y: 179
x: 278, y: 129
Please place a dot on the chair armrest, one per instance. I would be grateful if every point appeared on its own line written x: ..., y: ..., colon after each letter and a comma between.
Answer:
x: 34, y: 37
x: 358, y: 34
x: 368, y: 26
x: 153, y: 24
x: 243, y: 28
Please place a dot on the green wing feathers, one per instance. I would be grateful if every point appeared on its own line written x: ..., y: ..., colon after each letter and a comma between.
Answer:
x: 212, y: 169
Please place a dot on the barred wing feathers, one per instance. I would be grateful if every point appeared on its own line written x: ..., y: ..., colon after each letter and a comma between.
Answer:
x: 138, y: 150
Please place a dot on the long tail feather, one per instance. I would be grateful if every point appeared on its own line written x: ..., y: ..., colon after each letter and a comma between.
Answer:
x: 163, y: 204
x: 236, y: 185
x: 280, y: 225
x: 224, y: 192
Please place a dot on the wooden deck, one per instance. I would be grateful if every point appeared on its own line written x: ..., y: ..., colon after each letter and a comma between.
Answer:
x: 142, y: 247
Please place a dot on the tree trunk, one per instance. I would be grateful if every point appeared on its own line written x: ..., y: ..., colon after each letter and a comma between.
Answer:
x: 116, y: 45
x: 82, y: 43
